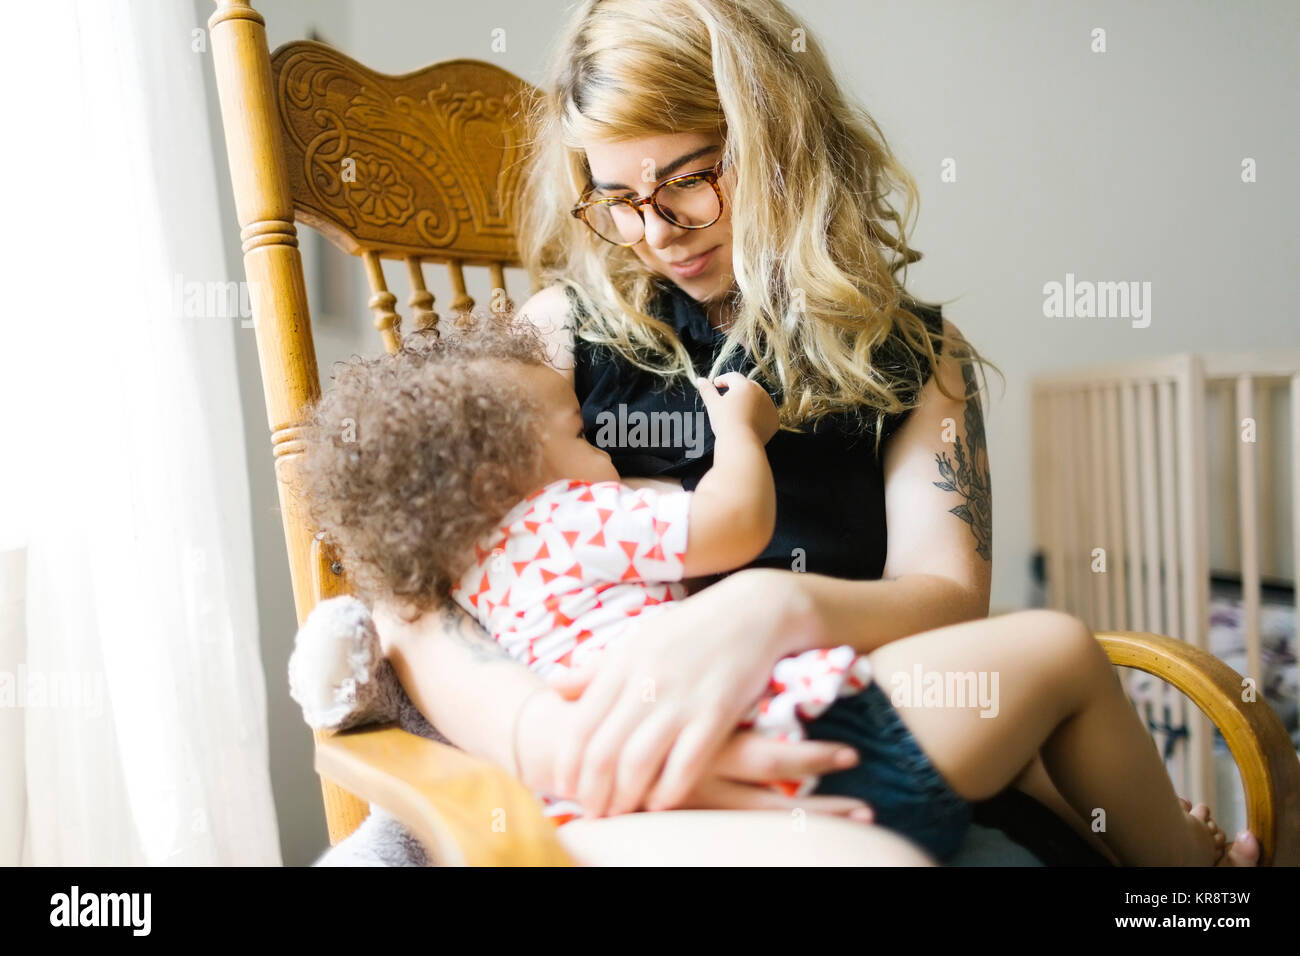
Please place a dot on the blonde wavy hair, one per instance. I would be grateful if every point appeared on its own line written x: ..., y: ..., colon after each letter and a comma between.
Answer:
x: 812, y: 221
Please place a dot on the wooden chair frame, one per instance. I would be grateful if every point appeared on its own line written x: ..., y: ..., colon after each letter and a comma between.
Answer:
x: 456, y: 803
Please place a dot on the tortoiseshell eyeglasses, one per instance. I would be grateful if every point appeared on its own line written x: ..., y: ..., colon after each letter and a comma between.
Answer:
x: 689, y: 201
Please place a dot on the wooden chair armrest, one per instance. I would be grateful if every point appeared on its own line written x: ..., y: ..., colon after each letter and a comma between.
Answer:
x: 466, y: 811
x: 1265, y: 756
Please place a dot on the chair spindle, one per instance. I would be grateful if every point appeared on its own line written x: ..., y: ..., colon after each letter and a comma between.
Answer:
x: 421, y: 301
x: 382, y: 303
x: 461, y: 302
x: 500, y: 297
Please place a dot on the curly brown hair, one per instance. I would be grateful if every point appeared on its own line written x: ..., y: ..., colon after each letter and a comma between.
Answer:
x: 411, y: 457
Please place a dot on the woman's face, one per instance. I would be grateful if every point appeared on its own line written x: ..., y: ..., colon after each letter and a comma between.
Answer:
x: 697, y: 260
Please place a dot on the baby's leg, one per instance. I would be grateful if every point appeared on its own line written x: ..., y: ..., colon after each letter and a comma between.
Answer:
x: 1057, y: 694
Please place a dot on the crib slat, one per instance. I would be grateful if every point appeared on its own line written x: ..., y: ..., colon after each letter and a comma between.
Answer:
x: 1088, y: 534
x: 1168, y: 507
x: 1038, y: 411
x: 1249, y: 516
x: 1039, y: 475
x: 1114, y: 513
x: 1054, y: 494
x: 1264, y: 475
x: 1193, y: 520
x: 1069, y: 518
x: 1136, y: 620
x: 1060, y: 492
x: 1097, y: 526
x: 1150, y: 508
x: 1295, y: 507
x: 1064, y: 518
x: 1111, y: 452
x: 1079, y: 531
x: 1169, y: 566
x: 1230, y: 431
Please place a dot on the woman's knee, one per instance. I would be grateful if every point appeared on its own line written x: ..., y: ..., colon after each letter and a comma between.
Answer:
x: 1072, y: 646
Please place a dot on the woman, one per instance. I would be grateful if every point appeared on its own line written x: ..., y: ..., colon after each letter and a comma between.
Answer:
x: 704, y: 198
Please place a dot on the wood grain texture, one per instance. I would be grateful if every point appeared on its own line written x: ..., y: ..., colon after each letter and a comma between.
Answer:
x: 1269, y: 767
x: 466, y: 811
x: 426, y: 164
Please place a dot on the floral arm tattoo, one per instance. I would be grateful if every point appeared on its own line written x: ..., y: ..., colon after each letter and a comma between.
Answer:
x: 970, y: 477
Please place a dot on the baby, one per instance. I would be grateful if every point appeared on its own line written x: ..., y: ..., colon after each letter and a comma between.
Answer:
x: 458, y: 468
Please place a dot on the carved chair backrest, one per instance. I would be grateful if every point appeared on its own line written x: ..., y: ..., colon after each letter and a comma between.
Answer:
x: 422, y: 167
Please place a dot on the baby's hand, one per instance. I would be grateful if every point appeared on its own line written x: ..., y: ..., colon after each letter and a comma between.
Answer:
x: 745, y: 404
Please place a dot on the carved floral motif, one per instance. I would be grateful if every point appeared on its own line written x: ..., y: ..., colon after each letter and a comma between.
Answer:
x: 378, y: 194
x: 436, y: 153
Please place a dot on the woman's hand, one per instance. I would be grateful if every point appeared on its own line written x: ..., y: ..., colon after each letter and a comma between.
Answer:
x: 733, y: 779
x: 651, y: 717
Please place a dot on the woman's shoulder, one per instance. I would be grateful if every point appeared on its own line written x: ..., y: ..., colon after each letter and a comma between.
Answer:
x: 547, y: 307
x: 550, y: 312
x: 901, y: 350
x: 904, y: 358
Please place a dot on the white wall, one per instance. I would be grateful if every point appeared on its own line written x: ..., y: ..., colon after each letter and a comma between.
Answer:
x: 1123, y: 165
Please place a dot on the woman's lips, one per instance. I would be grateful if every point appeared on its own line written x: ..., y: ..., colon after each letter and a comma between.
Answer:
x: 693, y: 267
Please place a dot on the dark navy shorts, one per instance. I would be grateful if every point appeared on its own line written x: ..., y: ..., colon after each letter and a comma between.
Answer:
x: 893, y: 775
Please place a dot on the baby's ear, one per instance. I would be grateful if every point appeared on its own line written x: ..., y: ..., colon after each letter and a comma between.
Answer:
x: 492, y: 488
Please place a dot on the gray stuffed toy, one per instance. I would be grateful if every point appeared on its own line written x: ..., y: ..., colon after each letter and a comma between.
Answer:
x: 339, y: 676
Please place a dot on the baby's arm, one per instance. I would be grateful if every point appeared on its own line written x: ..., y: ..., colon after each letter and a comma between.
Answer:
x: 733, y: 509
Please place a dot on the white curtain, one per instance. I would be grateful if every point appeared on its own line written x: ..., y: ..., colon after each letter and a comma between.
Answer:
x: 132, y: 699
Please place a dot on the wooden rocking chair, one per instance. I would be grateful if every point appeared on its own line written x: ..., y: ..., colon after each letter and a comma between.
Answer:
x: 424, y: 168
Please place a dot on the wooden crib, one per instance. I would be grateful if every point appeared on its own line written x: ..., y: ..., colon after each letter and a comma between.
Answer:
x: 1155, y: 479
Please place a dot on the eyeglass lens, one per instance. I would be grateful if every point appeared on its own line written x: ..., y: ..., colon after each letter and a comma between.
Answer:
x: 690, y: 203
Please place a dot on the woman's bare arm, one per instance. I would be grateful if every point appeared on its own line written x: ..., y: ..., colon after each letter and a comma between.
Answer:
x: 939, y: 567
x: 459, y: 678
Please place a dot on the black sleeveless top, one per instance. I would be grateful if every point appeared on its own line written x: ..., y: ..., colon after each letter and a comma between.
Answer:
x: 830, y: 516
x: 830, y: 498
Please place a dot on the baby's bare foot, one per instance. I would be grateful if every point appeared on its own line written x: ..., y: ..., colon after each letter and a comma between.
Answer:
x: 1206, y: 838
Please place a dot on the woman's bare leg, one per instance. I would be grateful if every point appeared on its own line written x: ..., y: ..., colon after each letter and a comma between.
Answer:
x: 1035, y: 782
x: 1056, y: 694
x: 734, y: 838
